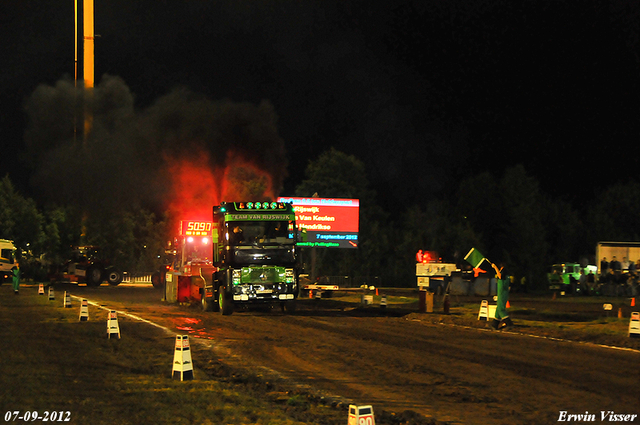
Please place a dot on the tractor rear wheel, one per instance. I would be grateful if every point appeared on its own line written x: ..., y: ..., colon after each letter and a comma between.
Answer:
x: 93, y: 276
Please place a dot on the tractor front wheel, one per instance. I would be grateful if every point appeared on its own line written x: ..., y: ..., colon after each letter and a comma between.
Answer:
x: 225, y: 302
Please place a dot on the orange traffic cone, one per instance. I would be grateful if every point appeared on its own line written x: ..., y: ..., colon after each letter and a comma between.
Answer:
x: 620, y: 316
x: 508, y: 305
x: 633, y: 302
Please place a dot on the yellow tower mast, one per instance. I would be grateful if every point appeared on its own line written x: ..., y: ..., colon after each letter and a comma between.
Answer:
x: 88, y: 73
x: 88, y: 63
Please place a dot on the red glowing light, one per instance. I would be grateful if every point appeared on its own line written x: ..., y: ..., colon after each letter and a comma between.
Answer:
x: 198, y: 184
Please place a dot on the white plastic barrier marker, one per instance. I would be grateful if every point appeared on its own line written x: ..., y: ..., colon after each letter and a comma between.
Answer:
x: 112, y: 325
x: 634, y: 325
x: 487, y: 311
x: 52, y: 295
x: 361, y: 415
x: 182, y: 365
x: 84, y: 310
x: 67, y: 300
x: 367, y: 299
x: 41, y: 289
x: 383, y: 302
x: 492, y: 311
x: 484, y: 310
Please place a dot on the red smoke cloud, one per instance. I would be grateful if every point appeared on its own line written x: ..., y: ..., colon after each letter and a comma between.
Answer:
x: 194, y: 188
x: 197, y: 185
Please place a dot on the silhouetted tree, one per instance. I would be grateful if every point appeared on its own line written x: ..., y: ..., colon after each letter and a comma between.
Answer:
x: 523, y: 237
x: 20, y: 220
x: 508, y: 215
x: 338, y: 175
x: 438, y: 227
x: 614, y: 214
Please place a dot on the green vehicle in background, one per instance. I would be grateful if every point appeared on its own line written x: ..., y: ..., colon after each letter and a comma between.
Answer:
x: 565, y: 277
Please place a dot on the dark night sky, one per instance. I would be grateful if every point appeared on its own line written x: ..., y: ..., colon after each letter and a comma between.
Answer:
x: 424, y: 92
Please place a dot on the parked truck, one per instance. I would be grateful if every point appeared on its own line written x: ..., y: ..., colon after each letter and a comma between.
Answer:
x: 247, y: 255
x: 7, y: 260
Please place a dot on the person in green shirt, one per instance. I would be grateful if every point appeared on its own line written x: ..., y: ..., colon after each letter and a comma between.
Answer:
x: 16, y: 278
x: 502, y: 319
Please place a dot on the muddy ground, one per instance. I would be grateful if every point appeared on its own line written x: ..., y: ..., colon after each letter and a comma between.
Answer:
x: 562, y: 355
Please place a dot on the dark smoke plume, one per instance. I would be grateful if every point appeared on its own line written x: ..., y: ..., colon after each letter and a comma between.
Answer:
x: 126, y: 156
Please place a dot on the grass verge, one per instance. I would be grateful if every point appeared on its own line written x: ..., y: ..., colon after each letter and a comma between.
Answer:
x: 52, y: 362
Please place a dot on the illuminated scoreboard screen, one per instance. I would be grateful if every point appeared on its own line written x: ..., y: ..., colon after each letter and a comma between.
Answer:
x: 327, y: 223
x: 196, y: 228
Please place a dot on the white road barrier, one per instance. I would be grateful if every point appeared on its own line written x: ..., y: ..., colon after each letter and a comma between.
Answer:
x: 112, y: 325
x: 361, y: 415
x: 127, y: 278
x: 634, y: 325
x: 84, y: 310
x: 182, y: 364
x: 67, y: 300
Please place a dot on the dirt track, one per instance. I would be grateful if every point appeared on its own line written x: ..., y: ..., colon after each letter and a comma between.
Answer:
x: 400, y: 361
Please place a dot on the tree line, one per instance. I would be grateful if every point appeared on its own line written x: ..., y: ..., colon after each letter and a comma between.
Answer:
x: 508, y: 218
x: 133, y: 238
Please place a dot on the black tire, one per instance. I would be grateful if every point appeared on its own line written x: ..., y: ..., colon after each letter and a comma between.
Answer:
x: 206, y: 303
x: 114, y: 276
x: 93, y: 276
x: 225, y: 302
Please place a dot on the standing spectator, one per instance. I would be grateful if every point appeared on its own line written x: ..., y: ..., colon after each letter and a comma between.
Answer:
x: 591, y: 283
x: 523, y: 284
x: 615, y: 265
x: 604, y: 266
x: 555, y: 278
x: 583, y: 283
x: 625, y: 264
x: 16, y: 278
x: 610, y: 278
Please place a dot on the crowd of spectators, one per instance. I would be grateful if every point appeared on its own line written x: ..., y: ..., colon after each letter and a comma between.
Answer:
x: 619, y: 277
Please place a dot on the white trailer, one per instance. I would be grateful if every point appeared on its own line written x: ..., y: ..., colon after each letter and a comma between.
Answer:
x: 620, y: 250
